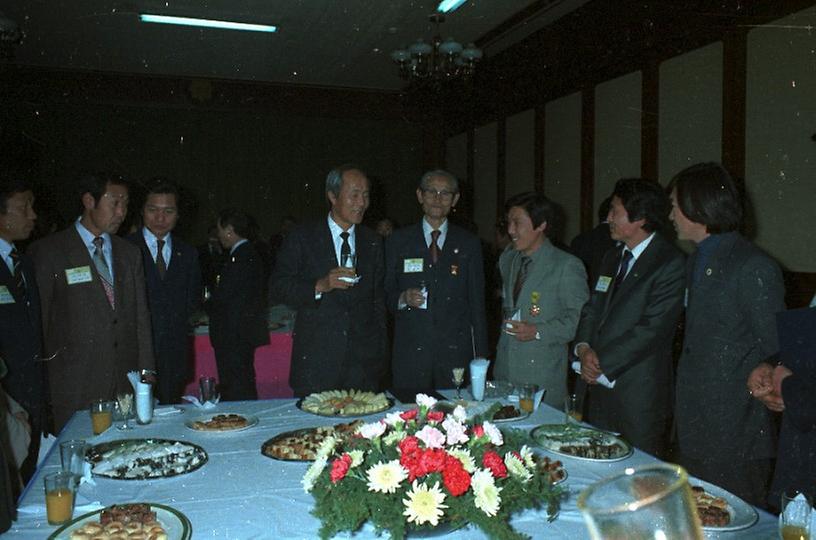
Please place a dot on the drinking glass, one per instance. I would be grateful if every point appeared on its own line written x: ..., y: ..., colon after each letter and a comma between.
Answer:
x: 101, y: 415
x: 206, y: 386
x: 60, y: 488
x: 458, y: 379
x: 794, y: 519
x: 125, y: 402
x: 478, y: 375
x: 641, y: 504
x: 527, y: 394
x: 573, y: 410
x: 72, y: 456
x: 348, y: 260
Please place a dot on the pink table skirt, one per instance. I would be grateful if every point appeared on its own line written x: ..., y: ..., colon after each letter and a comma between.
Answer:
x: 271, y: 365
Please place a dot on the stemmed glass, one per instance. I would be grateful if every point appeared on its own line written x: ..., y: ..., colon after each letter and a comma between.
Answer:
x: 125, y: 407
x: 458, y: 379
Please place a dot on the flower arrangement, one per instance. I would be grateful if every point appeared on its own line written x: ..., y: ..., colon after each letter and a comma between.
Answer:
x: 423, y: 468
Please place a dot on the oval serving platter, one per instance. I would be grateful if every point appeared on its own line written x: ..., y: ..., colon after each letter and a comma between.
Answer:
x: 580, y: 442
x: 117, y: 459
x: 175, y: 524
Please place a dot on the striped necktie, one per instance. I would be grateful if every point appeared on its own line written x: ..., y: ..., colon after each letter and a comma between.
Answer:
x: 521, y: 277
x: 103, y: 270
x: 434, y: 246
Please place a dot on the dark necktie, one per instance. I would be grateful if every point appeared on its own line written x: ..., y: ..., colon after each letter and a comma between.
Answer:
x: 103, y: 270
x: 161, y: 266
x: 521, y: 277
x: 626, y: 257
x: 17, y: 273
x: 345, y: 248
x: 434, y: 246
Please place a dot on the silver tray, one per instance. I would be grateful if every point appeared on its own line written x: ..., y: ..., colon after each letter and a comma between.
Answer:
x: 95, y: 455
x: 551, y: 436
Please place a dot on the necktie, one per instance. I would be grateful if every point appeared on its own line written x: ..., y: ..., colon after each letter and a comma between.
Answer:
x: 434, y: 246
x: 161, y: 266
x: 626, y: 257
x: 521, y: 277
x: 345, y: 248
x: 17, y: 273
x: 103, y: 270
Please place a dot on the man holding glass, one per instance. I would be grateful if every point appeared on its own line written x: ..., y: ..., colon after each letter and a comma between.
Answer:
x: 331, y: 271
x: 434, y: 283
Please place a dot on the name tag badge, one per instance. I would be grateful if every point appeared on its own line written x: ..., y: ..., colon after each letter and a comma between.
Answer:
x: 5, y: 295
x: 80, y: 274
x: 603, y: 283
x: 412, y: 266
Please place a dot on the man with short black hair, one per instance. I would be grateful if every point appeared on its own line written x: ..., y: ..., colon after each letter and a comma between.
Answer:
x: 733, y: 291
x: 96, y: 324
x: 173, y: 280
x: 628, y: 326
x: 339, y: 334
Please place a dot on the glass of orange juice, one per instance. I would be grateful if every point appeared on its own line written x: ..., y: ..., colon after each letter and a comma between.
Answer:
x: 527, y: 394
x: 59, y: 497
x: 101, y: 415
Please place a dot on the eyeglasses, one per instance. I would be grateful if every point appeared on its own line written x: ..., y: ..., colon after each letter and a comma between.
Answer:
x: 445, y: 195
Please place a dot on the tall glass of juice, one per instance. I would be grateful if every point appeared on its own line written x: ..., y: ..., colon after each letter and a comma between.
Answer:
x: 59, y: 497
x: 101, y: 415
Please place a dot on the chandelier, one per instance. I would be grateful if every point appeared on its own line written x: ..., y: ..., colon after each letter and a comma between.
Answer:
x: 437, y: 61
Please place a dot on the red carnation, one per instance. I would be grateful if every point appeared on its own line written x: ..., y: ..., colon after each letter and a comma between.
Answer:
x: 455, y: 477
x: 409, y: 415
x: 339, y: 468
x: 478, y: 431
x: 494, y: 462
x: 432, y: 460
x: 408, y: 444
x: 435, y: 416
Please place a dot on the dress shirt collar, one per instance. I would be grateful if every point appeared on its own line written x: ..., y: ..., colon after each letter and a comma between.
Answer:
x: 335, y: 230
x: 638, y: 250
x: 427, y: 229
x: 151, y: 240
x: 238, y: 244
x: 5, y: 250
x: 88, y: 238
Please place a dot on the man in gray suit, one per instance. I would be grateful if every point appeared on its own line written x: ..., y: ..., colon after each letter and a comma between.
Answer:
x: 95, y: 317
x: 733, y: 291
x: 547, y: 287
x: 627, y: 329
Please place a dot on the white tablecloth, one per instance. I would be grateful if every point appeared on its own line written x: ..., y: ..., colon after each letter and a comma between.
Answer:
x: 240, y: 494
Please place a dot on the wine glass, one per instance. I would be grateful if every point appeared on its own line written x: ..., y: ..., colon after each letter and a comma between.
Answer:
x: 458, y: 379
x: 125, y: 407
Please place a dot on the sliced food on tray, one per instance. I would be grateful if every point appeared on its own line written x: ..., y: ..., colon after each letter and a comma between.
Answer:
x: 139, y: 459
x: 302, y: 444
x: 345, y: 403
x: 581, y: 442
x: 713, y: 511
x: 122, y: 521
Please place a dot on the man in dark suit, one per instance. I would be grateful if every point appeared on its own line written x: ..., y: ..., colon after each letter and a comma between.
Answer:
x: 95, y: 317
x: 733, y: 291
x: 434, y: 284
x: 238, y: 307
x: 627, y: 328
x: 20, y: 323
x: 591, y: 246
x: 173, y: 280
x: 340, y: 333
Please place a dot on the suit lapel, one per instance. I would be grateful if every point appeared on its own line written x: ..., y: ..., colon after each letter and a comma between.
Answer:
x: 78, y: 255
x: 642, y: 266
x: 711, y: 277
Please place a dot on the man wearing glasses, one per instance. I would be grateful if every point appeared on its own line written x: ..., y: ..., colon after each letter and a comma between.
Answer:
x: 434, y: 284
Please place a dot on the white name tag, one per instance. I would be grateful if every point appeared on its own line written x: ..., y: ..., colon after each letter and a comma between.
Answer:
x: 5, y: 295
x: 603, y: 283
x: 411, y: 266
x: 80, y: 274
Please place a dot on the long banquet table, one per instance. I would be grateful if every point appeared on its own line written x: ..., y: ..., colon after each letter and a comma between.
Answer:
x: 240, y: 494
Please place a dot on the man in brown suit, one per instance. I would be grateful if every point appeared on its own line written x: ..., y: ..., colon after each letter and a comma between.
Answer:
x: 94, y: 307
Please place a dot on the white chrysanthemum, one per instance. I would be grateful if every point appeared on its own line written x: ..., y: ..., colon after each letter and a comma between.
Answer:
x: 372, y: 430
x: 393, y: 437
x: 424, y: 400
x: 394, y: 419
x: 528, y: 457
x: 464, y: 456
x: 386, y: 477
x: 326, y: 447
x: 313, y: 472
x: 487, y: 498
x: 424, y: 504
x: 516, y: 468
x: 460, y: 413
x: 494, y: 433
x: 357, y: 457
x: 455, y: 431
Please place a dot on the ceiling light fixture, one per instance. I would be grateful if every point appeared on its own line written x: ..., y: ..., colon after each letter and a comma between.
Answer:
x: 437, y: 61
x: 206, y: 23
x: 449, y: 6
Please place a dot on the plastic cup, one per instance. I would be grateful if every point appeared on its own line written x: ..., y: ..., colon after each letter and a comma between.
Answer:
x: 60, y: 488
x: 478, y: 375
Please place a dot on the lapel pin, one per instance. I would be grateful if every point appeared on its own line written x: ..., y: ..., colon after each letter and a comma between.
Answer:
x: 454, y: 269
x: 708, y: 271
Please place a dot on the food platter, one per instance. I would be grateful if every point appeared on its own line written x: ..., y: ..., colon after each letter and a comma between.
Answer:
x: 344, y: 403
x: 175, y: 524
x: 476, y: 408
x: 521, y: 416
x: 742, y: 514
x: 222, y: 422
x: 142, y: 459
x: 579, y: 442
x: 302, y: 444
x: 554, y: 469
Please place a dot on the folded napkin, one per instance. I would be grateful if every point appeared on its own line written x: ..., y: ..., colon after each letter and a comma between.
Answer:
x: 204, y: 406
x: 167, y: 411
x: 791, y: 511
x: 538, y: 397
x: 602, y: 380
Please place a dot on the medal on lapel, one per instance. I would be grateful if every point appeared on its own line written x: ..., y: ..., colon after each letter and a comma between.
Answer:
x: 535, y: 309
x: 454, y: 269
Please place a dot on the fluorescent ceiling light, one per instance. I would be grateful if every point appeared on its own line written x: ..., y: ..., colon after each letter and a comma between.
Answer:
x: 206, y: 23
x: 446, y: 6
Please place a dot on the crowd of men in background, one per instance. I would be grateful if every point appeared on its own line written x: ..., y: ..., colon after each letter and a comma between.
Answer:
x: 83, y: 306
